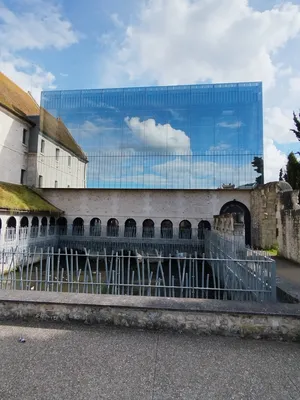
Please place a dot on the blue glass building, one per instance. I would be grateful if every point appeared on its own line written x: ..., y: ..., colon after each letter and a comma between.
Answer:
x: 188, y: 137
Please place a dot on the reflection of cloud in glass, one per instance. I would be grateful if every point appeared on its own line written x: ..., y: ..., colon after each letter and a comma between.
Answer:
x: 230, y: 125
x: 158, y: 136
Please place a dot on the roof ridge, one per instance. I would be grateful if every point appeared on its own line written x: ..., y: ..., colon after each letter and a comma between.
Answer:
x: 19, y: 87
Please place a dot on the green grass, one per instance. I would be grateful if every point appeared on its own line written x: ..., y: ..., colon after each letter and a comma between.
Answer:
x: 21, y: 198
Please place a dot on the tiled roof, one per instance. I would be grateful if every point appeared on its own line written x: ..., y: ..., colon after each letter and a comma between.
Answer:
x: 20, y: 103
x: 57, y: 130
x: 21, y: 198
x: 15, y: 99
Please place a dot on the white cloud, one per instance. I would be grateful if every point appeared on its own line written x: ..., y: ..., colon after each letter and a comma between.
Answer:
x: 37, y: 25
x: 274, y: 160
x: 278, y: 123
x: 190, y: 41
x: 159, y: 137
x: 180, y: 41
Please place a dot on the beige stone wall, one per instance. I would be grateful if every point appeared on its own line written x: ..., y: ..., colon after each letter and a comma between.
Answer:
x: 265, y: 211
x: 176, y: 205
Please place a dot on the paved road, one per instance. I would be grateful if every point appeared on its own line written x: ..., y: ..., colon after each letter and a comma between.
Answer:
x: 81, y: 362
x: 288, y: 270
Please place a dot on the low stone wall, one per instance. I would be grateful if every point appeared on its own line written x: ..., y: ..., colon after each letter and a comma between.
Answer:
x: 272, y: 321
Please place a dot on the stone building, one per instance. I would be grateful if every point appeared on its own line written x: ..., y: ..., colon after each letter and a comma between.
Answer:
x: 36, y: 149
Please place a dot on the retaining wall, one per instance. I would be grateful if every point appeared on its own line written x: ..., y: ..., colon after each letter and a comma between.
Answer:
x: 229, y: 318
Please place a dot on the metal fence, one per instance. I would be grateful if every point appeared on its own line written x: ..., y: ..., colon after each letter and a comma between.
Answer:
x: 219, y: 273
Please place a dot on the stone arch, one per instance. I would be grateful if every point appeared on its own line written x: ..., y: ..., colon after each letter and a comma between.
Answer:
x: 166, y: 229
x: 202, y: 227
x: 11, y: 225
x: 130, y: 228
x: 52, y: 226
x: 44, y: 224
x: 11, y: 222
x: 236, y: 207
x: 185, y: 229
x: 24, y: 223
x: 61, y: 226
x: 95, y: 227
x: 148, y: 228
x: 112, y: 228
x: 34, y: 230
x: 78, y: 227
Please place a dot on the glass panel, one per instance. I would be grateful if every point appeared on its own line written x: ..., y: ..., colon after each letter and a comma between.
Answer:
x: 189, y: 137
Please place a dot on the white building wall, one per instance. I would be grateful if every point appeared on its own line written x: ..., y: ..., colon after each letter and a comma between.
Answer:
x: 71, y: 175
x: 13, y: 153
x: 176, y: 205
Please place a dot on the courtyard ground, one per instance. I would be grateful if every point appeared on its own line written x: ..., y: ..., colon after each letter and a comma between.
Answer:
x: 64, y: 361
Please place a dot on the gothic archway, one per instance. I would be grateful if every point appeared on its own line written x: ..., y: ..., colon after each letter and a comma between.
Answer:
x: 236, y: 207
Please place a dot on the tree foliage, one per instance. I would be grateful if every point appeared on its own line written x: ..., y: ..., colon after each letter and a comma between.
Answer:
x: 258, y: 165
x: 297, y: 125
x: 292, y: 174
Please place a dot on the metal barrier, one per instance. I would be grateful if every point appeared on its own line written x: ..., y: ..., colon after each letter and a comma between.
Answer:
x: 219, y: 273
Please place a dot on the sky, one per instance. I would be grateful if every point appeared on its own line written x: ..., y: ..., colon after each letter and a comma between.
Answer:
x: 63, y: 44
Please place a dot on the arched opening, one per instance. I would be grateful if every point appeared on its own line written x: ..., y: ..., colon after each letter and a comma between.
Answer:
x: 95, y: 227
x: 166, y: 229
x: 203, y: 226
x: 235, y: 207
x: 34, y: 230
x: 0, y: 224
x: 78, y: 227
x: 11, y: 222
x: 11, y: 225
x: 24, y: 223
x: 112, y: 228
x: 130, y: 228
x: 44, y: 223
x: 185, y: 230
x: 23, y: 230
x: 148, y: 228
x: 61, y: 226
x: 52, y: 226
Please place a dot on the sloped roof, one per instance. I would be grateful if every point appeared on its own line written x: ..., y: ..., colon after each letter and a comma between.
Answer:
x: 21, y: 198
x: 15, y: 99
x: 20, y: 103
x: 57, y: 130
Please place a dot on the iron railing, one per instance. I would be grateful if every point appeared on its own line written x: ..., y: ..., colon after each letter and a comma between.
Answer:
x: 225, y: 271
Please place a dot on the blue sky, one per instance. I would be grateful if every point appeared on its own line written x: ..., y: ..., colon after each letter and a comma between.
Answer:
x: 62, y: 44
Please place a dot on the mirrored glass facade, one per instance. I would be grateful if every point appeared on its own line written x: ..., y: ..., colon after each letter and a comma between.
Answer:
x: 188, y: 137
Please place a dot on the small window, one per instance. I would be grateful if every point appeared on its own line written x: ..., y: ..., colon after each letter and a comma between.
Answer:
x: 40, y: 181
x: 56, y: 184
x: 24, y: 140
x: 69, y: 161
x: 23, y: 172
x: 57, y: 154
x: 42, y: 146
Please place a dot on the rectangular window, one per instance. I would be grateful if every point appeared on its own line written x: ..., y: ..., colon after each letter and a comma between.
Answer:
x: 57, y: 154
x: 40, y: 181
x: 69, y: 161
x: 23, y: 172
x: 24, y: 140
x: 42, y: 146
x: 56, y: 184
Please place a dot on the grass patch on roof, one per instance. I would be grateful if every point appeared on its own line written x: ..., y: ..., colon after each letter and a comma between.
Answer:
x: 21, y: 198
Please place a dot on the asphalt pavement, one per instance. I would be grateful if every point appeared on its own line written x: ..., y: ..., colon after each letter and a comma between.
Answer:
x: 70, y: 361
